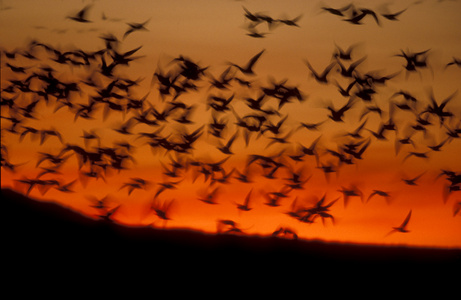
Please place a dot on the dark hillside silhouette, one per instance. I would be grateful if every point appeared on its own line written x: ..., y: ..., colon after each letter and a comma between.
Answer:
x: 45, y: 234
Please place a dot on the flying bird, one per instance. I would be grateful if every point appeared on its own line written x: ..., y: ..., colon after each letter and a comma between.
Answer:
x: 81, y: 16
x: 454, y: 62
x: 412, y: 181
x: 338, y: 114
x: 393, y: 16
x: 381, y: 193
x: 245, y: 205
x: 132, y: 27
x: 291, y: 22
x: 320, y: 77
x: 336, y: 11
x: 403, y: 227
x: 248, y: 68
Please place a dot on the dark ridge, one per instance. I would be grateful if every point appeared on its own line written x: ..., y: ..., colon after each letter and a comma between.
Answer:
x: 45, y: 234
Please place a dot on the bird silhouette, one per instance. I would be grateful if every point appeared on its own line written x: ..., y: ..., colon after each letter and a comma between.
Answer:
x: 320, y: 77
x: 403, y: 141
x: 342, y: 54
x: 348, y: 72
x: 225, y: 148
x: 337, y: 11
x: 393, y: 16
x: 439, y: 109
x: 416, y: 154
x: 438, y: 147
x: 358, y: 16
x: 291, y: 22
x: 167, y: 185
x: 66, y: 187
x: 162, y: 210
x: 456, y: 208
x: 245, y: 205
x: 403, y: 227
x: 345, y: 92
x: 338, y: 114
x: 81, y: 16
x: 132, y: 27
x: 413, y: 59
x: 248, y: 68
x: 210, y: 197
x: 412, y: 181
x: 352, y: 191
x: 17, y: 69
x: 133, y: 184
x: 255, y: 34
x: 381, y: 193
x: 44, y: 134
x: 107, y: 215
x: 454, y: 62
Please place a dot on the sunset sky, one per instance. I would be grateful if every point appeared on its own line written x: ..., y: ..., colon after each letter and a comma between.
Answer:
x: 216, y: 36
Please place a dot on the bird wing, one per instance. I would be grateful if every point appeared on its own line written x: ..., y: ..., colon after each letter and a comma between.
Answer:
x: 254, y: 59
x: 405, y: 222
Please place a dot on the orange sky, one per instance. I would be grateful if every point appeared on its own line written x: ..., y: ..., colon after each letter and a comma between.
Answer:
x: 213, y: 33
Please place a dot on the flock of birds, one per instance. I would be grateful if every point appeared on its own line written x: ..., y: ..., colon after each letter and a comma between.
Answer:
x: 165, y: 119
x: 349, y: 13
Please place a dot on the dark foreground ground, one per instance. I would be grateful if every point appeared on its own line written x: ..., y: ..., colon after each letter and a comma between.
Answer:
x: 38, y: 235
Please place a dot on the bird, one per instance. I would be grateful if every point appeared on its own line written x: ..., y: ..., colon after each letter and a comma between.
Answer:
x: 162, y: 210
x: 285, y: 233
x: 291, y: 22
x: 123, y: 58
x: 352, y: 191
x: 225, y: 148
x: 357, y: 18
x: 135, y: 183
x: 279, y: 139
x: 255, y: 34
x: 81, y: 16
x: 348, y: 72
x: 454, y: 62
x: 403, y: 227
x: 66, y: 188
x: 356, y: 133
x: 248, y: 68
x: 437, y: 147
x: 17, y: 69
x: 223, y: 81
x: 393, y: 16
x: 413, y: 59
x: 337, y: 11
x: 320, y: 77
x: 245, y: 205
x: 311, y: 126
x: 403, y: 141
x: 412, y: 181
x: 345, y: 92
x: 106, y: 216
x: 338, y: 114
x: 132, y: 27
x: 342, y: 54
x: 250, y: 16
x: 210, y: 197
x: 166, y: 185
x: 416, y: 154
x: 51, y: 132
x: 439, y: 109
x: 456, y: 208
x: 381, y: 193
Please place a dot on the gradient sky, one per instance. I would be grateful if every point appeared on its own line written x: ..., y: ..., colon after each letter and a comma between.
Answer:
x: 214, y: 33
